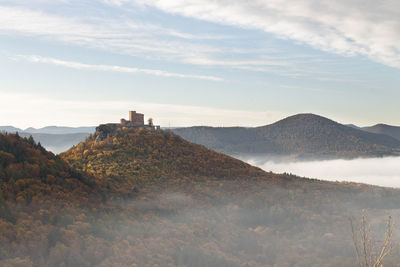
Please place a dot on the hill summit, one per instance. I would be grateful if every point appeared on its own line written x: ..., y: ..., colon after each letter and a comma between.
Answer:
x: 393, y: 131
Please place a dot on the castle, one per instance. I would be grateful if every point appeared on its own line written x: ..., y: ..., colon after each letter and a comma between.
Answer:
x: 137, y: 120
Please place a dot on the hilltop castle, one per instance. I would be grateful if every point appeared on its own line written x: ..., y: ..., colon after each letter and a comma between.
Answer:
x: 137, y: 120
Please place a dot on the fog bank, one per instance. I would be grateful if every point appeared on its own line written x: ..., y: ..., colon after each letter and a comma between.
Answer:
x: 376, y: 171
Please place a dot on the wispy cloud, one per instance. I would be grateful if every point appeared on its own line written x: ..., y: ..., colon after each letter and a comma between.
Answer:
x: 356, y: 27
x: 120, y: 35
x: 83, y: 66
x: 238, y: 63
x: 123, y: 35
x: 317, y: 25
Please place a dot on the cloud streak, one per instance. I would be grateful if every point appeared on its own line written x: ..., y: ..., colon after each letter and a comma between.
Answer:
x: 83, y: 66
x: 121, y: 35
x: 358, y: 27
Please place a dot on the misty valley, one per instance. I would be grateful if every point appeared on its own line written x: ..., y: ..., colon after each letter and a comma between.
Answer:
x: 376, y: 171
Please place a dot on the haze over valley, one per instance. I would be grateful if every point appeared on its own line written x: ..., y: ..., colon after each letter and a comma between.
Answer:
x: 376, y: 171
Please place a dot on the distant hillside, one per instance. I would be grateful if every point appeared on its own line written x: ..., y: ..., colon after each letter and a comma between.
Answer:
x: 300, y: 136
x: 353, y: 126
x: 393, y: 131
x: 9, y: 129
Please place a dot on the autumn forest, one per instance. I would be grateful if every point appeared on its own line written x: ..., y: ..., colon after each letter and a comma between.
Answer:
x: 137, y: 197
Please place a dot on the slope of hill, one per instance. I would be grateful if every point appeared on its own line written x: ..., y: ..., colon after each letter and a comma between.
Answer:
x: 23, y: 164
x: 393, y: 131
x: 301, y: 136
x: 173, y: 203
x: 39, y: 192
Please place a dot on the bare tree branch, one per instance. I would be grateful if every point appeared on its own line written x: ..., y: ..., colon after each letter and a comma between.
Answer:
x: 366, y: 252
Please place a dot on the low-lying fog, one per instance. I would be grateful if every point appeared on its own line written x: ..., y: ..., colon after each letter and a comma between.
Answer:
x: 376, y: 171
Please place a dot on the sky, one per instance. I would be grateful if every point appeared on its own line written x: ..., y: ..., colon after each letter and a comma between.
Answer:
x: 198, y: 62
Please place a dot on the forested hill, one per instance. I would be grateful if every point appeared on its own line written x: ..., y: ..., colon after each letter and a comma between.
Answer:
x: 134, y: 156
x: 129, y: 197
x: 393, y: 131
x: 302, y: 136
x: 29, y: 173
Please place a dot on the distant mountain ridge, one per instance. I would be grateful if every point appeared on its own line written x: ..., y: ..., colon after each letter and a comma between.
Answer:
x: 50, y: 129
x: 236, y: 140
x: 299, y: 136
x: 54, y: 138
x: 393, y: 131
x: 62, y: 130
x: 10, y: 129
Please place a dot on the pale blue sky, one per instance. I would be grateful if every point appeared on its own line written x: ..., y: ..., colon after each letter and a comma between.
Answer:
x: 192, y: 62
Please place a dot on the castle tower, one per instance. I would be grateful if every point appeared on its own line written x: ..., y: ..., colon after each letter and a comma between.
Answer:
x: 136, y: 119
x: 132, y: 115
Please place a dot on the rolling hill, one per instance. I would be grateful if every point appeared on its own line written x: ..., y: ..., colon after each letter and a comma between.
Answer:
x: 136, y: 197
x: 393, y: 131
x: 9, y: 129
x: 299, y: 136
